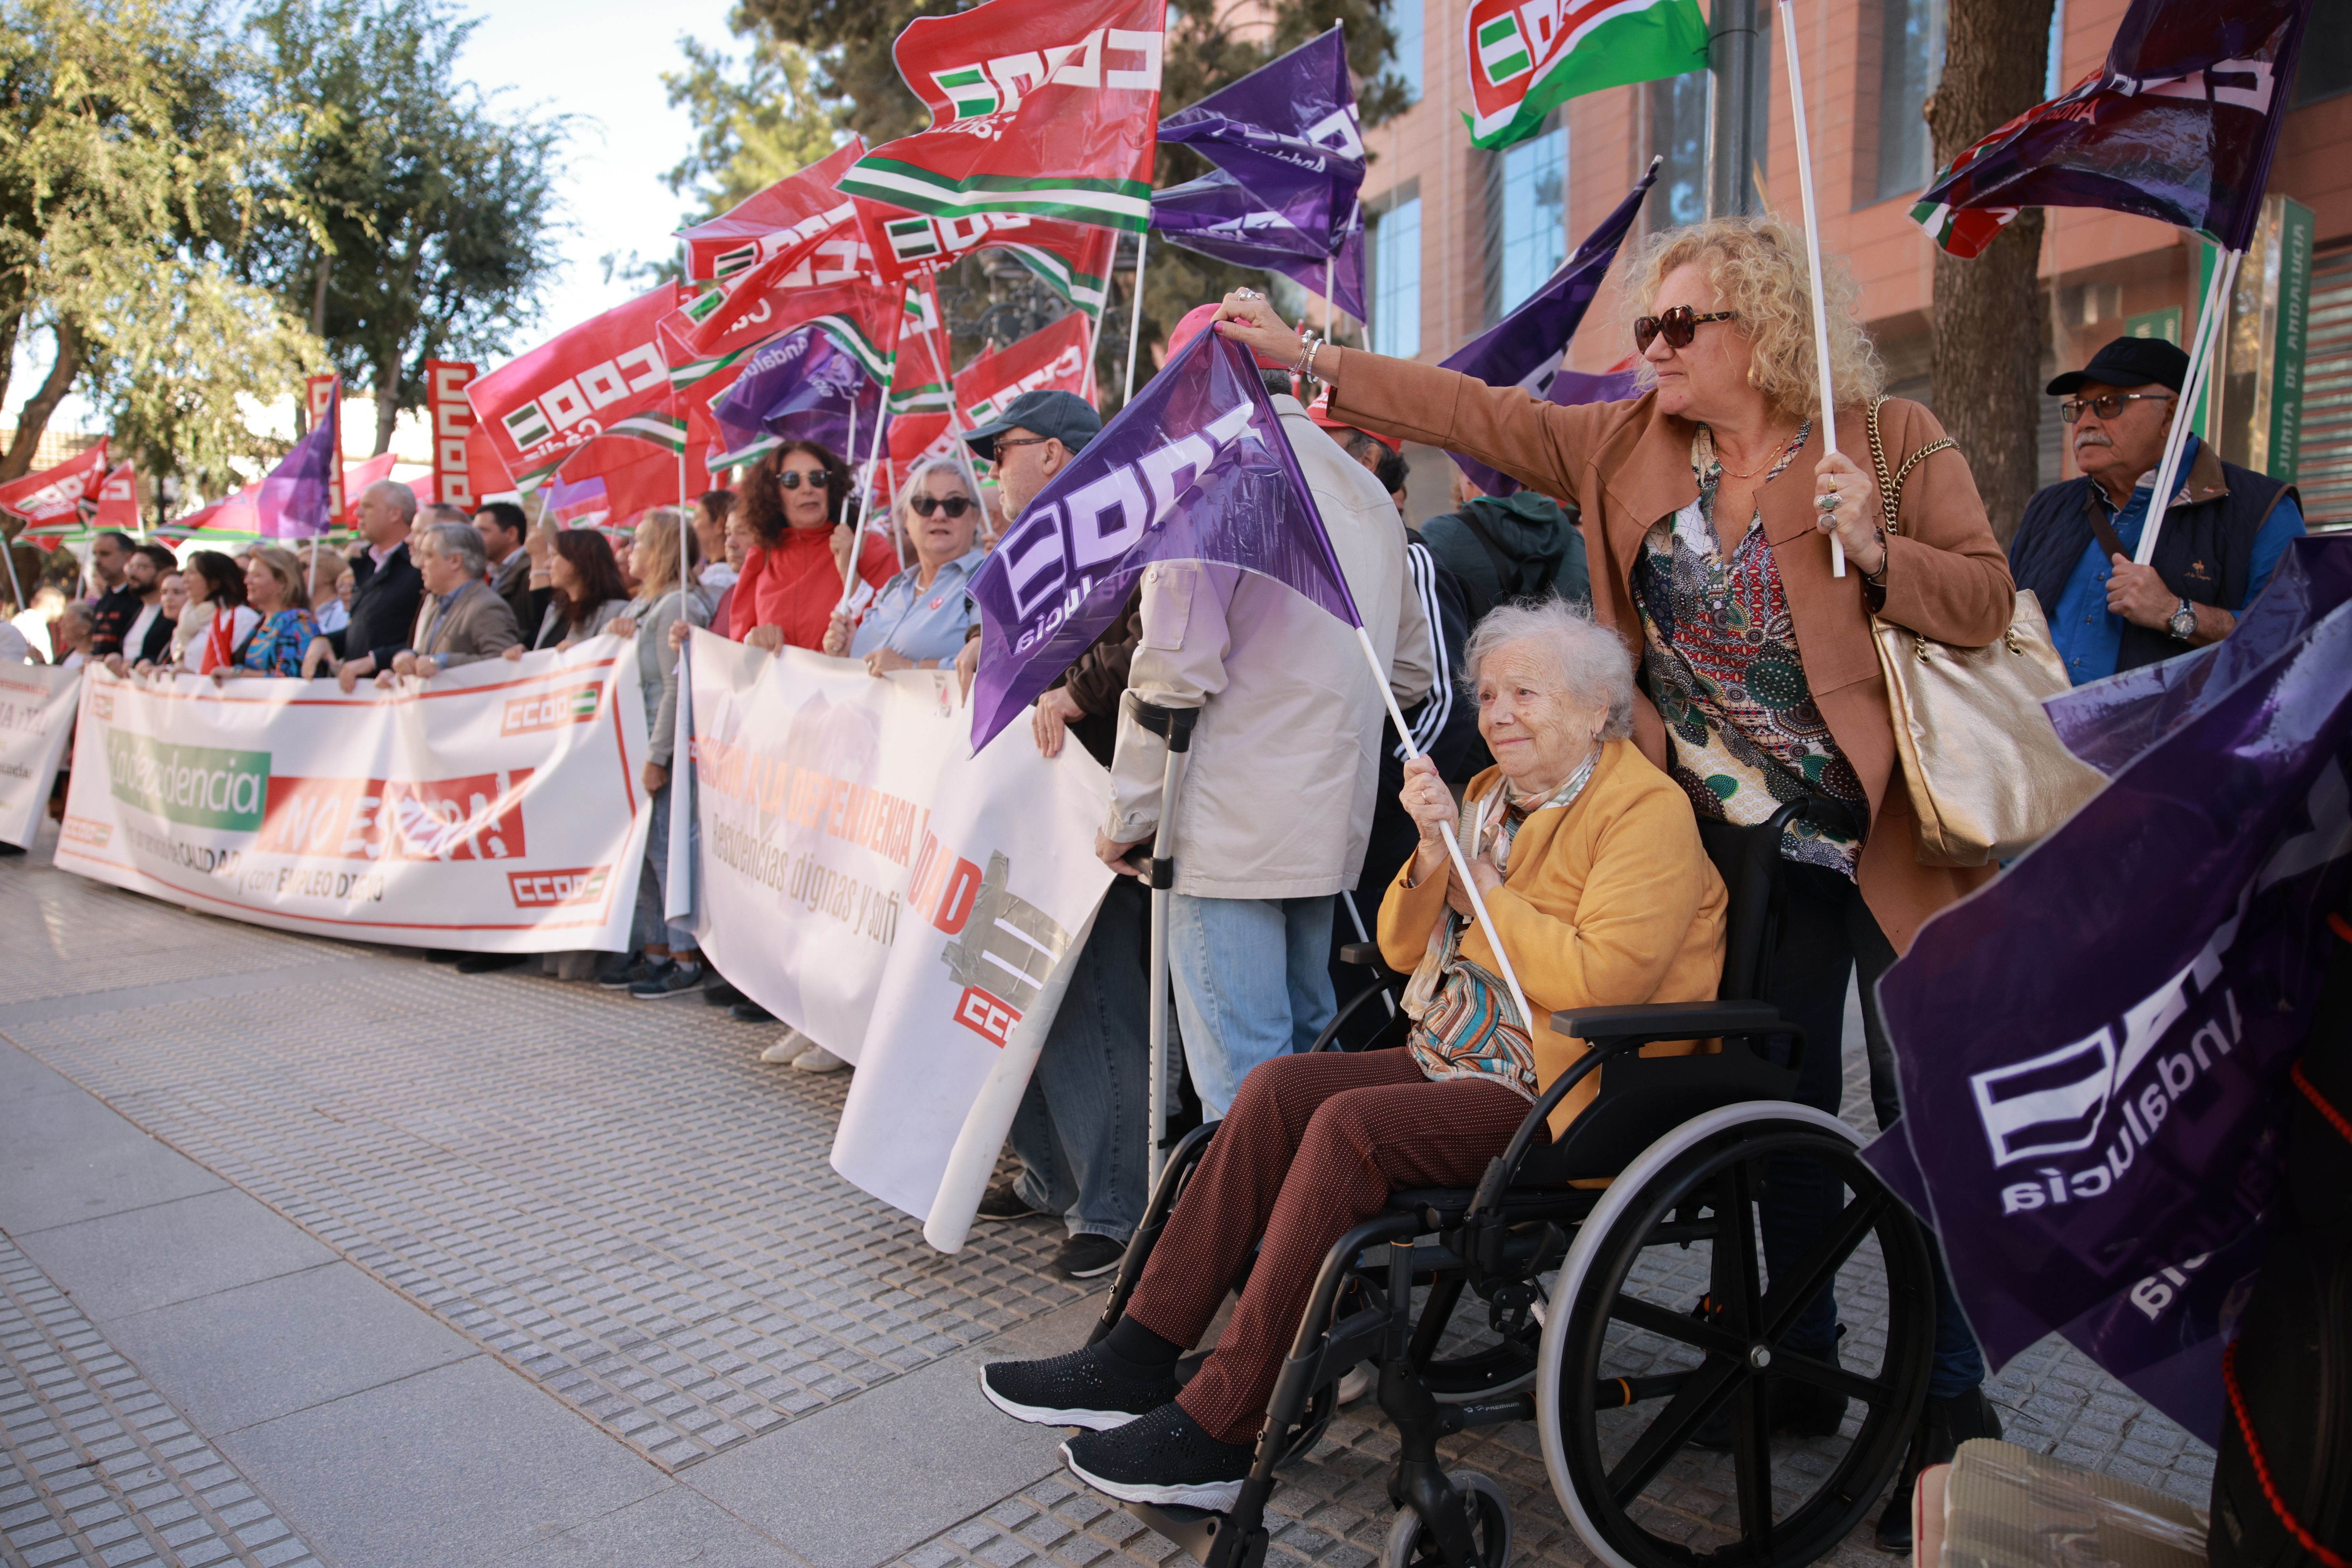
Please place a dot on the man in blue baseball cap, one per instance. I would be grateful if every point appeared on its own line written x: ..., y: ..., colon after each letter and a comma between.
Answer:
x: 2222, y: 533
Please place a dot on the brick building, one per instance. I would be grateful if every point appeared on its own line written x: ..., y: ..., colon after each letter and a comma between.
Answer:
x: 1459, y: 234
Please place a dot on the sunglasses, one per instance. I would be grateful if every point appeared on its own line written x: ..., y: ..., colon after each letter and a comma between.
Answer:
x: 791, y: 479
x: 954, y: 506
x: 2107, y: 405
x: 1678, y: 326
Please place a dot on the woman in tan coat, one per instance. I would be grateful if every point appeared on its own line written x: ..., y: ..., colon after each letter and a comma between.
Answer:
x: 1709, y: 504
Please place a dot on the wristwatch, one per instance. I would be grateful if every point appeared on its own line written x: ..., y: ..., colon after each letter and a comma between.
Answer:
x: 2183, y: 624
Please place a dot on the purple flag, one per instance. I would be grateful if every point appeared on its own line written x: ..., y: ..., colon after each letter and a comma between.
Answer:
x: 801, y: 387
x: 1197, y: 468
x: 293, y: 502
x: 2103, y: 1032
x: 2179, y: 126
x: 1525, y: 348
x: 1290, y: 161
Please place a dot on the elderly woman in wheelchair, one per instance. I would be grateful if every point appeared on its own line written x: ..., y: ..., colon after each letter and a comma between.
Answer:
x: 1340, y: 1191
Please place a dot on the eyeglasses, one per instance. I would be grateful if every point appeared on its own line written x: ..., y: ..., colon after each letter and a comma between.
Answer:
x: 999, y: 444
x: 954, y: 506
x: 791, y: 479
x: 2107, y: 405
x: 1678, y: 326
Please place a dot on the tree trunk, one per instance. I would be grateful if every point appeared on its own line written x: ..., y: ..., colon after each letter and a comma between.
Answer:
x: 1984, y: 367
x: 388, y: 405
x: 34, y: 418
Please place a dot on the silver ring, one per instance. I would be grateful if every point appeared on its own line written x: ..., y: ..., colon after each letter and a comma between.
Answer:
x: 1827, y: 502
x: 1247, y: 294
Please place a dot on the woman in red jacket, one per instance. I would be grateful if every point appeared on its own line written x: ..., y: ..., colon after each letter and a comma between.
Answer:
x: 793, y: 503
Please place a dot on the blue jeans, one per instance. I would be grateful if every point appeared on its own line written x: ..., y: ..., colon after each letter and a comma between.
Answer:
x: 647, y: 927
x: 1083, y: 1129
x: 1253, y: 982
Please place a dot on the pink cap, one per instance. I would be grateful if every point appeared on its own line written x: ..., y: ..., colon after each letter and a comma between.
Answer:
x: 1196, y: 322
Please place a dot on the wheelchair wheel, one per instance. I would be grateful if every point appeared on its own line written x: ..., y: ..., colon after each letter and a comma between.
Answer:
x: 1411, y: 1546
x: 1634, y: 1383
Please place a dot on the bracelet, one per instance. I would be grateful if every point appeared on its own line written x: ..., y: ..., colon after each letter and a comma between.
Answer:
x: 1307, y: 347
x: 1312, y: 350
x: 1886, y: 557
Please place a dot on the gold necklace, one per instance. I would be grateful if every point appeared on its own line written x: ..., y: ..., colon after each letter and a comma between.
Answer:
x: 1776, y: 449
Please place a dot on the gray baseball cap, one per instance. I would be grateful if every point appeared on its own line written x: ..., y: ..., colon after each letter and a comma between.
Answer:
x: 1064, y: 416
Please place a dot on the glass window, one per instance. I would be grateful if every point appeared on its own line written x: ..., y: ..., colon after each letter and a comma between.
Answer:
x: 1913, y: 60
x: 2054, y: 79
x: 2326, y: 68
x: 1396, y: 281
x: 1404, y: 60
x: 1678, y: 108
x: 1532, y: 208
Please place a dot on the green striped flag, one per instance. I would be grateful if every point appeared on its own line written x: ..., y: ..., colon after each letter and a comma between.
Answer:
x: 1528, y: 56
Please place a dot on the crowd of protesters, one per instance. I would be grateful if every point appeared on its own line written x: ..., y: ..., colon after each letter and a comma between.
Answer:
x: 1620, y: 646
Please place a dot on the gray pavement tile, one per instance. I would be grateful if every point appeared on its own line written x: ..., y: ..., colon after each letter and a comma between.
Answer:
x: 674, y: 1526
x: 152, y: 1257
x: 453, y: 1465
x: 812, y: 1485
x: 66, y: 1157
x: 261, y: 1351
x: 24, y: 1076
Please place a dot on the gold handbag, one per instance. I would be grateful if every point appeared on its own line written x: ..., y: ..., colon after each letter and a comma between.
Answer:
x: 1988, y: 775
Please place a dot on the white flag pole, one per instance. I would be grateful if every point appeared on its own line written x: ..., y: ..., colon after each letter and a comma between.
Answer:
x: 2219, y: 291
x: 1812, y: 254
x: 1453, y: 844
x: 1135, y: 315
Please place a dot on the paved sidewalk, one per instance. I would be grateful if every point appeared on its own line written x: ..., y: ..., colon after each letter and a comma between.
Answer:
x: 312, y: 1252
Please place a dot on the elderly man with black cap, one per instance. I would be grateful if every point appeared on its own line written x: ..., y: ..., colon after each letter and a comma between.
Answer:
x: 2221, y: 536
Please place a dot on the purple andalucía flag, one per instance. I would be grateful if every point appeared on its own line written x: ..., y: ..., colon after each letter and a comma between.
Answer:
x: 1526, y: 347
x: 293, y: 502
x: 2105, y: 1032
x: 2178, y: 125
x: 1195, y: 469
x: 801, y: 387
x: 1289, y: 159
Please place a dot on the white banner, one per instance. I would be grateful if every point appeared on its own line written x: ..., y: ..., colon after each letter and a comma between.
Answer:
x: 497, y: 808
x: 37, y: 716
x: 910, y: 907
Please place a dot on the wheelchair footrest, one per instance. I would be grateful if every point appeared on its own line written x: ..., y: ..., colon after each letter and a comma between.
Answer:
x: 1206, y: 1537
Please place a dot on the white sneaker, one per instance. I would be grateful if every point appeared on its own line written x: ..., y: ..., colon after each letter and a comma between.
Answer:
x: 790, y: 1046
x: 816, y: 1058
x: 1356, y: 1383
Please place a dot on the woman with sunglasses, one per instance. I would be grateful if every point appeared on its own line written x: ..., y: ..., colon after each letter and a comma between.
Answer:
x: 1708, y: 507
x: 918, y: 619
x: 793, y: 505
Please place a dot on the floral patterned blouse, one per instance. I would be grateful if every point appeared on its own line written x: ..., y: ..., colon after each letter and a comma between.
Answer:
x: 1719, y: 658
x: 277, y: 644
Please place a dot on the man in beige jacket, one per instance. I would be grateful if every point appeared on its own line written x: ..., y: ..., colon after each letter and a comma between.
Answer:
x: 1277, y: 799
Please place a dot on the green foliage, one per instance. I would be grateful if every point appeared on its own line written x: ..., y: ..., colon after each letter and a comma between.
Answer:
x: 127, y: 133
x: 749, y: 131
x: 418, y: 221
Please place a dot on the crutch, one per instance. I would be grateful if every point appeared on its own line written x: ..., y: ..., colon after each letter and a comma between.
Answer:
x: 1174, y: 726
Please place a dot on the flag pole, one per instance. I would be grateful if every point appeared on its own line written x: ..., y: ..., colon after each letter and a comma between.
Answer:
x: 1813, y: 255
x: 955, y: 414
x: 1453, y: 843
x: 1135, y: 314
x: 2219, y: 289
x: 16, y: 583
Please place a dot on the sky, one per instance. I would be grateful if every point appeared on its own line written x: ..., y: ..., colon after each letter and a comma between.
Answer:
x: 600, y: 60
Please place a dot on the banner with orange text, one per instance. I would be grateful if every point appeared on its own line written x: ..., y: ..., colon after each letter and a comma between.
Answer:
x: 496, y: 808
x: 908, y: 906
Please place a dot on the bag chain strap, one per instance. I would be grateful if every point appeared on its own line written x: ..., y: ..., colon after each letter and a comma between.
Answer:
x: 1890, y: 495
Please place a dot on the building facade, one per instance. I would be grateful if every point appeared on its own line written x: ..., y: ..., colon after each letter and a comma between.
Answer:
x: 1459, y: 234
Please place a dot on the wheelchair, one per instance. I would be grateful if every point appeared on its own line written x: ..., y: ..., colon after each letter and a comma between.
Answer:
x: 1641, y: 1345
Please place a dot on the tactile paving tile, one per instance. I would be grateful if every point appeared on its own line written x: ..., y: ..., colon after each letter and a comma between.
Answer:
x: 96, y: 1468
x: 615, y: 1196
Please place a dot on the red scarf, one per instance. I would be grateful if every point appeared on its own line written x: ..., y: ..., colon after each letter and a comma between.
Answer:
x: 220, y: 643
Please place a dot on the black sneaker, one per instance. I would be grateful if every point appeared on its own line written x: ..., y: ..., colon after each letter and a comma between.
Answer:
x: 751, y: 1013
x: 1091, y: 1388
x: 1085, y: 1257
x: 442, y: 955
x: 1003, y: 1201
x: 720, y: 993
x: 677, y: 980
x: 1163, y: 1457
x: 1943, y: 1426
x: 627, y: 971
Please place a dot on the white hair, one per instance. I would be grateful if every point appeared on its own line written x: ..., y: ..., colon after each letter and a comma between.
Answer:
x: 923, y: 471
x: 1591, y: 661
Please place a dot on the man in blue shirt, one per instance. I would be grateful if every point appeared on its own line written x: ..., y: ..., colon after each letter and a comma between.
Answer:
x: 2221, y: 536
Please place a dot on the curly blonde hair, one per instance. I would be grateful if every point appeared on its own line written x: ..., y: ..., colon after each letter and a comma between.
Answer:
x: 1758, y: 264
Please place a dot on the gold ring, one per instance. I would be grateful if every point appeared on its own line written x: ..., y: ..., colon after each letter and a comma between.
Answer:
x: 1827, y: 502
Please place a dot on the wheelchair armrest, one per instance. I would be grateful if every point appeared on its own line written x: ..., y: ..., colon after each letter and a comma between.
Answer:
x: 1364, y: 955
x: 1670, y: 1021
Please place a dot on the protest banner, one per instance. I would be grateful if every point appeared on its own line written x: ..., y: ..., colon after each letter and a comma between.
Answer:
x: 2105, y: 1031
x: 452, y: 420
x: 494, y: 810
x: 909, y: 906
x: 37, y: 713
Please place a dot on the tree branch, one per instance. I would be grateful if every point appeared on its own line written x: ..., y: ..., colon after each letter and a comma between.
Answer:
x: 35, y: 418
